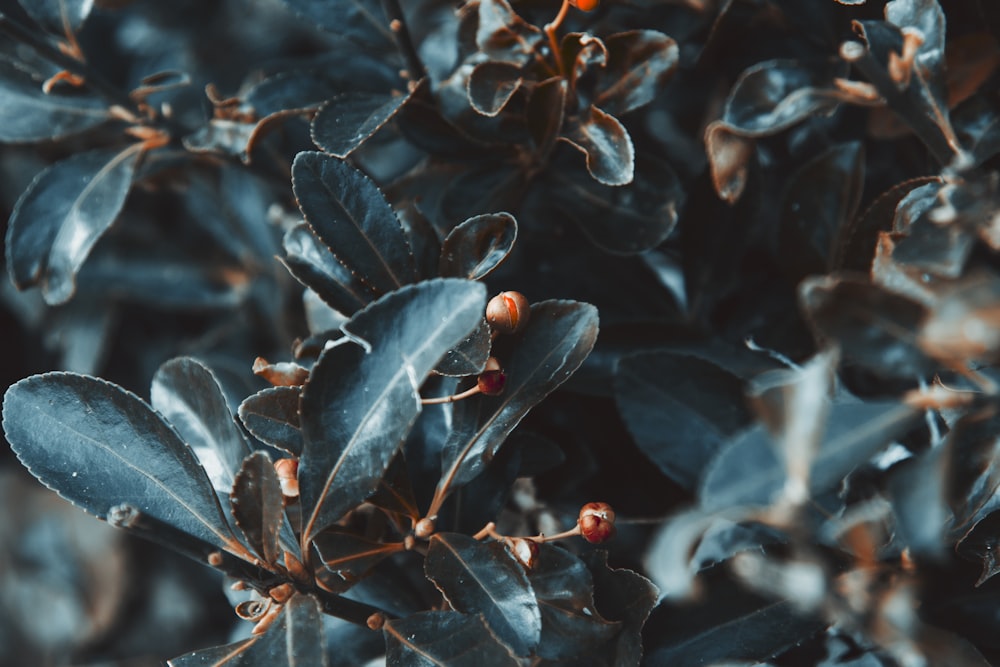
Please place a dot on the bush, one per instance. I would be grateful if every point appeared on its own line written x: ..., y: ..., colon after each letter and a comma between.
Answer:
x: 646, y: 331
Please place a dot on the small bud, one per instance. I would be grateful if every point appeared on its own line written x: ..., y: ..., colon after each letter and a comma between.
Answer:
x: 492, y: 380
x: 281, y: 593
x: 215, y: 558
x: 525, y: 551
x: 375, y: 621
x: 597, y: 522
x: 585, y: 5
x: 508, y: 312
x: 424, y: 528
x: 288, y: 476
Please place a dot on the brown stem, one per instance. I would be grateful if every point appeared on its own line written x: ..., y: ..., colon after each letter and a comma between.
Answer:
x: 471, y: 391
x: 550, y: 30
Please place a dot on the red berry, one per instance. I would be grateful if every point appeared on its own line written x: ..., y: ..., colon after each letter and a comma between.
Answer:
x: 585, y: 5
x: 508, y: 312
x: 597, y: 522
x: 492, y: 380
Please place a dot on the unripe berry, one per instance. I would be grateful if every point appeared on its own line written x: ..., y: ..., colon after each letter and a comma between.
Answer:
x: 508, y: 312
x: 424, y: 528
x: 597, y: 522
x: 585, y: 5
x: 288, y: 476
x: 525, y: 551
x: 492, y: 380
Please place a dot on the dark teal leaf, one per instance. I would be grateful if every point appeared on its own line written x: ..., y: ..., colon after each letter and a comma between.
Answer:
x: 468, y: 357
x: 395, y: 490
x: 362, y: 396
x: 295, y: 639
x: 257, y: 505
x: 749, y: 471
x: 482, y: 578
x: 545, y: 110
x: 62, y: 214
x: 606, y: 144
x: 444, y: 639
x: 361, y: 21
x: 571, y: 625
x: 929, y: 63
x: 349, y: 119
x: 187, y: 393
x: 626, y: 597
x: 504, y: 36
x: 820, y: 201
x: 558, y: 338
x: 679, y: 409
x: 272, y: 416
x: 29, y: 114
x: 491, y: 84
x: 349, y: 214
x: 346, y: 557
x: 640, y: 62
x: 58, y: 16
x: 100, y: 446
x: 477, y: 246
x: 313, y: 265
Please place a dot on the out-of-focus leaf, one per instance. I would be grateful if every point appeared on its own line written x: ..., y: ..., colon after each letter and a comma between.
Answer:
x: 100, y: 446
x: 59, y: 16
x: 606, y: 144
x: 349, y: 214
x: 640, y: 62
x: 361, y: 21
x: 62, y: 214
x: 921, y: 243
x: 272, y: 416
x: 749, y: 471
x: 855, y: 245
x: 361, y: 399
x: 349, y: 119
x: 821, y: 198
x: 187, y: 393
x: 729, y: 157
x: 27, y: 113
x: 295, y: 639
x: 257, y: 505
x: 973, y: 472
x: 317, y: 268
x: 679, y: 409
x: 627, y: 219
x: 927, y: 17
x: 468, y: 357
x: 624, y: 596
x: 346, y: 557
x: 748, y: 627
x: 876, y: 328
x: 563, y: 586
x: 444, y: 638
x: 917, y: 493
x: 970, y: 61
x: 558, y: 338
x: 491, y: 85
x: 478, y: 245
x: 478, y: 578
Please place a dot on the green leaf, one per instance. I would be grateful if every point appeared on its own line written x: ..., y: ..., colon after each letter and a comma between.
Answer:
x: 99, y: 446
x: 482, y: 578
x: 361, y: 399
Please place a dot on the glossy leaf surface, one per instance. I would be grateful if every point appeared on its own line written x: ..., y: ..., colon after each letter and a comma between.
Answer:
x: 272, y: 416
x: 29, y: 114
x: 468, y: 357
x: 478, y: 245
x: 349, y: 119
x: 313, y: 265
x: 188, y: 394
x: 624, y: 596
x: 444, y: 639
x: 346, y: 557
x: 491, y: 85
x: 679, y: 409
x: 58, y: 16
x: 62, y: 214
x: 362, y: 399
x: 640, y: 62
x: 482, y: 578
x: 257, y: 505
x: 558, y: 338
x: 100, y: 446
x: 350, y: 215
x: 607, y: 146
x: 295, y: 639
